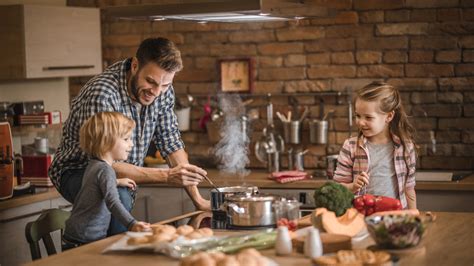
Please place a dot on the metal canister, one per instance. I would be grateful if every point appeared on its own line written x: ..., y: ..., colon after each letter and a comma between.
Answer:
x: 292, y: 131
x: 318, y: 131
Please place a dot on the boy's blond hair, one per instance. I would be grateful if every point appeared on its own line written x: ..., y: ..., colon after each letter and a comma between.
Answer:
x: 98, y: 134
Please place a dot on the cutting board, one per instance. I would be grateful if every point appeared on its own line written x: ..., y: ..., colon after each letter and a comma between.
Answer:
x: 331, y: 243
x: 434, y: 176
x: 304, y: 221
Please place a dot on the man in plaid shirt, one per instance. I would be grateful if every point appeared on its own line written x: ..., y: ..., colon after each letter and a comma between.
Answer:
x: 140, y: 88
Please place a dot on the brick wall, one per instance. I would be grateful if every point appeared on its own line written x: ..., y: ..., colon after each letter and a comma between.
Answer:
x: 425, y: 48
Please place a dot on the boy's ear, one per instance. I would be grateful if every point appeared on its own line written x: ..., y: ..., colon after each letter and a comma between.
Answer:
x: 390, y: 116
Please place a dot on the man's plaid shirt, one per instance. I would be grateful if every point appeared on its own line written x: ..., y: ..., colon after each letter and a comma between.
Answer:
x: 108, y: 92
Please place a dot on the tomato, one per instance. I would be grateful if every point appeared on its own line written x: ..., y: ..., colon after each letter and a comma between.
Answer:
x: 369, y: 200
x: 358, y: 203
x: 369, y: 211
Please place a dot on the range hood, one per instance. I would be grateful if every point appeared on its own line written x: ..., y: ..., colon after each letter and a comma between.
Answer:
x: 218, y: 11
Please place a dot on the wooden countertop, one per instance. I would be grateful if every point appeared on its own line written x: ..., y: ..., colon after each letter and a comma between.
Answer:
x: 50, y: 193
x: 254, y: 178
x: 446, y: 242
x: 260, y: 179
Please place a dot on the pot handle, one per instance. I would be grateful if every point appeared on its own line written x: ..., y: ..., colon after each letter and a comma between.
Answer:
x: 234, y: 207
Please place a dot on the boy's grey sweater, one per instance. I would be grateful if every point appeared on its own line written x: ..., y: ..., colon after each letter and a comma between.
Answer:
x: 96, y: 201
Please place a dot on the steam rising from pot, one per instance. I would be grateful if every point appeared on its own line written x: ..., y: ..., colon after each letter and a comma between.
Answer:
x: 232, y: 150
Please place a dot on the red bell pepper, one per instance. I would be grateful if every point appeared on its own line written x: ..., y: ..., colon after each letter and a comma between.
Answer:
x: 368, y: 204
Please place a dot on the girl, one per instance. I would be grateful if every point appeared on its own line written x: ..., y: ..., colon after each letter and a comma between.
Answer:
x: 106, y: 138
x: 381, y: 160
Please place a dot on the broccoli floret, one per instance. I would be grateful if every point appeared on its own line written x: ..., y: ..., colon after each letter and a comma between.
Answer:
x: 334, y: 197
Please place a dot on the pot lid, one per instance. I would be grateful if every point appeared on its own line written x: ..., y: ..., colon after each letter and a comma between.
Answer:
x: 247, y: 198
x: 237, y: 189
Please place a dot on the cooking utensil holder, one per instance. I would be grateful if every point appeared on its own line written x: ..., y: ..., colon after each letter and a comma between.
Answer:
x: 318, y: 131
x: 184, y: 118
x: 292, y: 131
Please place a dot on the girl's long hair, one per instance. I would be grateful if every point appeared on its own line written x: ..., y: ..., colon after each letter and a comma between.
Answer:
x: 389, y: 100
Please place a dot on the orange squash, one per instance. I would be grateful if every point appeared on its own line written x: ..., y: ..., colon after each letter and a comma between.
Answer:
x: 350, y: 224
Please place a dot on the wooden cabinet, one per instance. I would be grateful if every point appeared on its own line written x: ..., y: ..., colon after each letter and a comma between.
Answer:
x: 49, y: 41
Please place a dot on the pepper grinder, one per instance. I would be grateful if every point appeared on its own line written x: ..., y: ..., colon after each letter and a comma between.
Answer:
x: 313, y: 246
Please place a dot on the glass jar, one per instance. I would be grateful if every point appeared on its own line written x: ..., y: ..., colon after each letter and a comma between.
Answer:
x: 287, y: 213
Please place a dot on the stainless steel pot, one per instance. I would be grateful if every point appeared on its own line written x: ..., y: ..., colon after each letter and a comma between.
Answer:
x: 251, y: 210
x: 218, y: 197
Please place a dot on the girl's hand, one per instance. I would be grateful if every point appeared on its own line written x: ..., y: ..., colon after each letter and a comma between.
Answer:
x: 126, y: 182
x: 360, y: 180
x: 140, y: 227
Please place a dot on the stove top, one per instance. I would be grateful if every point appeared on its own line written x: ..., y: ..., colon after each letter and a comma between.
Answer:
x: 215, y: 221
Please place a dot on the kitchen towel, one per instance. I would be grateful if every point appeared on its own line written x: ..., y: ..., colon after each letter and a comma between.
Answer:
x: 288, y: 176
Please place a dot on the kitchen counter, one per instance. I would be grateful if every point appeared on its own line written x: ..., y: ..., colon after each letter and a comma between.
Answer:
x: 447, y: 242
x: 254, y: 178
x: 45, y: 194
x: 260, y: 179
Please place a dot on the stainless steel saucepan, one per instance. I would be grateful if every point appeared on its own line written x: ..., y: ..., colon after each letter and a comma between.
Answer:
x: 256, y: 210
x: 219, y: 196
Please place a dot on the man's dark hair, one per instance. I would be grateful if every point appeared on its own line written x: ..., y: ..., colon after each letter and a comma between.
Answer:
x: 160, y: 51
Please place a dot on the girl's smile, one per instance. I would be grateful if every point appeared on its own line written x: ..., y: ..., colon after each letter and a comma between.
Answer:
x: 373, y: 123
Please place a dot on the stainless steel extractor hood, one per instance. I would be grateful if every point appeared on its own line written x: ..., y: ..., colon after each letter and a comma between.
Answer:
x: 217, y: 11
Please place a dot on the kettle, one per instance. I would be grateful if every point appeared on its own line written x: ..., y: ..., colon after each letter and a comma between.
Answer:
x: 268, y: 148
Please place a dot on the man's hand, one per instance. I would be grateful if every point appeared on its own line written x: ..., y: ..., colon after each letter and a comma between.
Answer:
x: 126, y: 182
x: 186, y: 175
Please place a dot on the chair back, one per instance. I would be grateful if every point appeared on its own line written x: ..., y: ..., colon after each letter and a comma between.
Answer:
x: 49, y: 221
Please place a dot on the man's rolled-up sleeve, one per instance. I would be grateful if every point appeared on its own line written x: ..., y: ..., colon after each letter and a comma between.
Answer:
x: 167, y: 136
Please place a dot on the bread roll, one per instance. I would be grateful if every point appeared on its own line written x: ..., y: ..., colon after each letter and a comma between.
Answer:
x: 184, y: 230
x: 161, y: 237
x: 169, y: 229
x: 251, y: 251
x: 205, y: 232
x: 138, y: 240
x: 228, y: 261
x: 217, y: 256
x: 203, y: 259
x: 247, y: 259
x: 194, y: 235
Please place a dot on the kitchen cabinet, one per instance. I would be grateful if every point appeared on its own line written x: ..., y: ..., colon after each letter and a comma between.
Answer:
x: 15, y: 249
x: 49, y: 41
x: 154, y: 204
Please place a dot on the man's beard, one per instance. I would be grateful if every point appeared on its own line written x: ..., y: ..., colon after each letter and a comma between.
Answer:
x: 134, y: 88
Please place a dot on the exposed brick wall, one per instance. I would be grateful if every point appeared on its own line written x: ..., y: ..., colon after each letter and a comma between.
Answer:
x: 426, y: 48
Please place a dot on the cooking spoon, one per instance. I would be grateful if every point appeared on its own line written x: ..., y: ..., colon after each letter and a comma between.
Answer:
x: 212, y: 183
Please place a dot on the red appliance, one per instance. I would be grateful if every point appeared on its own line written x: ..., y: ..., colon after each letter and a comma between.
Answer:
x: 6, y: 161
x: 35, y: 169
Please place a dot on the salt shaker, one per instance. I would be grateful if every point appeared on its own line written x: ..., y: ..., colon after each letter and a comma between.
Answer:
x: 313, y: 247
x: 283, y: 245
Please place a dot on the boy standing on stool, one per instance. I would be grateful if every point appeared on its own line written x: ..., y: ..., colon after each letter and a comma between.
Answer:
x: 106, y: 138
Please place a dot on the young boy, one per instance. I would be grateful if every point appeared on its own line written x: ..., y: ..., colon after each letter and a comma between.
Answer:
x: 105, y: 137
